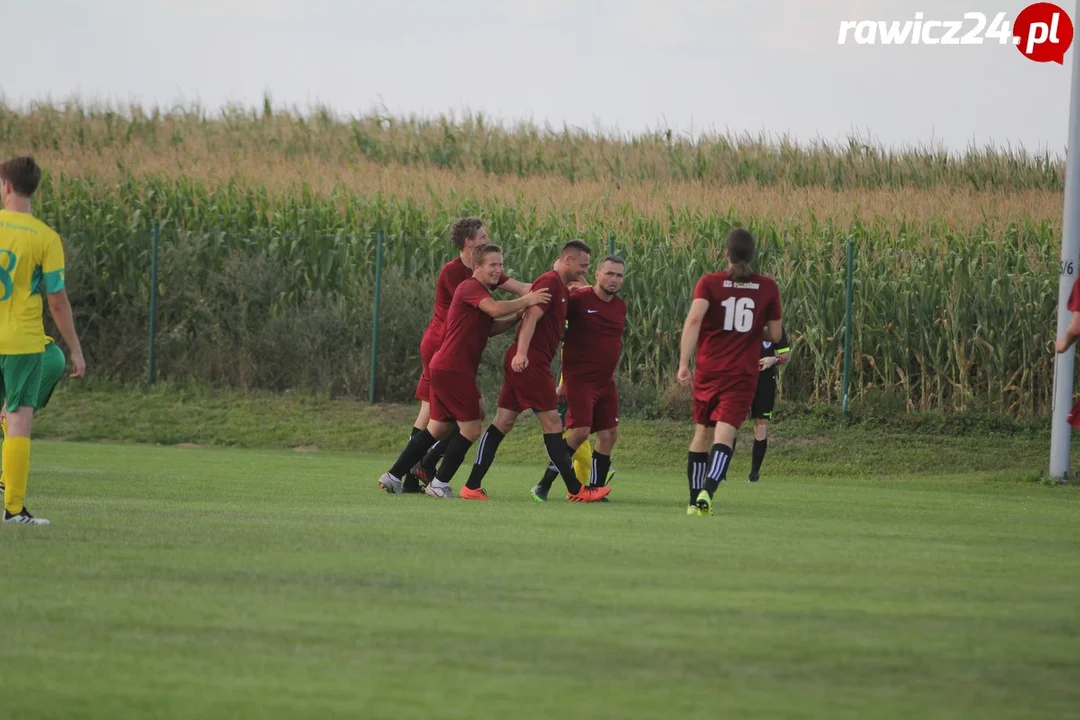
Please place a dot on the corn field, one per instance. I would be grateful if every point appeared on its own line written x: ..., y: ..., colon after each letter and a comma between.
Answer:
x: 268, y: 234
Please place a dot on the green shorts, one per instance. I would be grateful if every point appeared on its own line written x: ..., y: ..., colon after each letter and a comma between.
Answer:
x: 53, y: 364
x: 20, y: 380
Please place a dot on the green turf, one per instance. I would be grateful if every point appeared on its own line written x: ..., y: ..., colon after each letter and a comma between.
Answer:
x: 204, y: 583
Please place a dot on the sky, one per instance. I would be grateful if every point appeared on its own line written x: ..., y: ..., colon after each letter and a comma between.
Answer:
x: 626, y: 66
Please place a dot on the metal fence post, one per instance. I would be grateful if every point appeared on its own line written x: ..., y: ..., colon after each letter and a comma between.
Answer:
x: 611, y: 244
x: 847, y: 324
x: 375, y: 324
x: 153, y: 302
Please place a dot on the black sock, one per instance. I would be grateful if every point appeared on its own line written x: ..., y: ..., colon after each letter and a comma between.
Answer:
x: 437, y: 451
x: 600, y: 466
x: 718, y: 465
x: 410, y: 483
x: 420, y: 443
x: 559, y: 454
x: 457, y: 447
x: 695, y: 473
x: 760, y: 446
x: 550, y: 474
x: 489, y: 443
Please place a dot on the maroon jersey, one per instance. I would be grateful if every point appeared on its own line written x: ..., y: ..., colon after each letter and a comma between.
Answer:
x: 1074, y: 297
x: 452, y: 274
x: 593, y: 342
x: 730, y: 339
x: 549, y: 328
x: 467, y: 329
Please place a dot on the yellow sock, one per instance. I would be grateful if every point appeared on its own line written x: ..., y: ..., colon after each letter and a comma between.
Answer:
x: 583, y: 462
x: 16, y: 455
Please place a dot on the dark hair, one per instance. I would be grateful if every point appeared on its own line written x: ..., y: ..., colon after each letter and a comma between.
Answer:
x: 575, y: 245
x: 740, y: 246
x: 611, y: 259
x: 482, y: 251
x: 23, y: 173
x: 465, y: 229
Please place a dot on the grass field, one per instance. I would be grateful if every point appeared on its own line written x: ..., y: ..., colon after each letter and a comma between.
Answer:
x: 870, y: 574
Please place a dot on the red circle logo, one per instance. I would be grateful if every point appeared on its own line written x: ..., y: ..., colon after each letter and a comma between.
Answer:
x: 1043, y: 32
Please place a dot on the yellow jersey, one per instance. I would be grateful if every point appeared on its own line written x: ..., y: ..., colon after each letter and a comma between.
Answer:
x: 31, y: 259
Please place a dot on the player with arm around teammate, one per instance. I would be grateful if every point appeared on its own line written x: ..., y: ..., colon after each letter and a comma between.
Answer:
x: 723, y: 331
x: 471, y: 320
x: 466, y: 234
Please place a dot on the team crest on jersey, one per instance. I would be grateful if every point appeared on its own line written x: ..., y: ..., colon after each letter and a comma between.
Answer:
x: 766, y: 344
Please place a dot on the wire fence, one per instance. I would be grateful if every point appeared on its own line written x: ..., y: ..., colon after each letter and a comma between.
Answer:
x: 898, y: 330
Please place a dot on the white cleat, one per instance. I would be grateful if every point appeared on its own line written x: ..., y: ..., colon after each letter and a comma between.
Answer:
x: 445, y: 491
x: 390, y: 484
x: 24, y: 518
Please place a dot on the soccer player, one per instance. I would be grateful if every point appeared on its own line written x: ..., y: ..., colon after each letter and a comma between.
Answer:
x: 773, y: 355
x: 31, y: 264
x: 466, y: 234
x: 528, y: 383
x: 724, y: 330
x: 596, y: 320
x: 474, y: 316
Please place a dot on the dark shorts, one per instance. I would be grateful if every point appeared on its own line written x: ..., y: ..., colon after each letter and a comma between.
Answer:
x: 764, y: 397
x: 531, y: 389
x: 592, y: 405
x: 723, y: 398
x: 455, y: 397
x: 428, y: 348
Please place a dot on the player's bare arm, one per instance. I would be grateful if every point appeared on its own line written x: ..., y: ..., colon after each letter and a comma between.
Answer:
x: 1072, y: 333
x: 516, y: 287
x: 499, y: 308
x: 500, y: 326
x: 528, y: 327
x: 690, y: 332
x: 774, y: 331
x: 60, y: 309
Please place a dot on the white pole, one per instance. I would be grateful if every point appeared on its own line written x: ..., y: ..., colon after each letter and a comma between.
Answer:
x: 1070, y: 255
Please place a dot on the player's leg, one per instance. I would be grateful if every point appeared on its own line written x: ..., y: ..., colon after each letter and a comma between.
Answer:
x: 457, y: 403
x: 697, y: 461
x: 605, y: 422
x: 761, y: 411
x: 559, y: 454
x: 22, y: 388
x: 489, y: 444
x: 419, y: 443
x: 732, y: 405
x: 577, y: 420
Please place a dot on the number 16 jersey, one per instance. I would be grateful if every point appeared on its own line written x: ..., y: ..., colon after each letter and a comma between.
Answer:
x: 731, y: 331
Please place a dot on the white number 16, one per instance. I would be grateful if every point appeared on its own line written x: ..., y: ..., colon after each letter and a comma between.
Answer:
x: 738, y: 314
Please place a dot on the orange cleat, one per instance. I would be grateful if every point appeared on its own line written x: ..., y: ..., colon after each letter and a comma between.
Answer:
x: 467, y: 493
x: 589, y: 494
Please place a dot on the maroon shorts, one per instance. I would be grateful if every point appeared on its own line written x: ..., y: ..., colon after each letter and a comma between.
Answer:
x: 723, y: 398
x: 591, y: 405
x: 428, y: 348
x: 454, y: 397
x: 531, y: 389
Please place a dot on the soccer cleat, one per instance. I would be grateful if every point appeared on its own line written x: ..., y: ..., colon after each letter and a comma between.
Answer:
x: 753, y: 477
x: 390, y: 484
x: 539, y: 493
x: 704, y: 503
x: 421, y: 474
x: 23, y: 518
x: 467, y: 493
x: 589, y: 494
x: 446, y: 492
x: 693, y: 510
